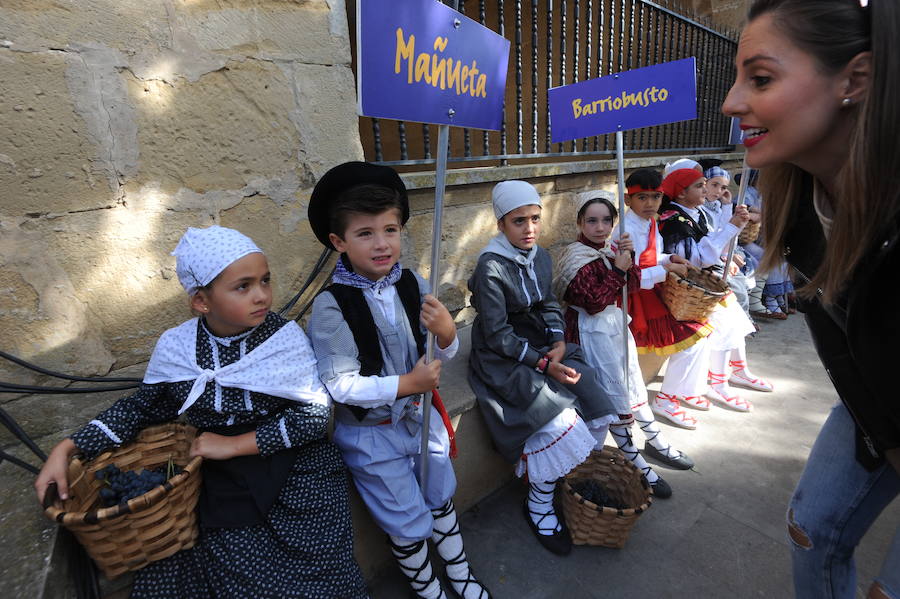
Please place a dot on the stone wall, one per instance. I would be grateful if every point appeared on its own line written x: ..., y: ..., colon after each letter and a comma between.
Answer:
x: 122, y: 124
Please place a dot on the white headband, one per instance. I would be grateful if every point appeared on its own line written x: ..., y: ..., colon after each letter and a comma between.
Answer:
x: 509, y: 195
x: 201, y: 254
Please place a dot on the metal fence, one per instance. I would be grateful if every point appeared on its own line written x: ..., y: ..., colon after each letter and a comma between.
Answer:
x: 557, y: 42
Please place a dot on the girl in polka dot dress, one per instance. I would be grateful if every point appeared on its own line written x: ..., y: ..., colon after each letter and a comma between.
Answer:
x: 274, y: 510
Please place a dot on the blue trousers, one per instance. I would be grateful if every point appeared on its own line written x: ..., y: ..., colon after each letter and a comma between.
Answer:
x: 384, y: 462
x: 834, y: 504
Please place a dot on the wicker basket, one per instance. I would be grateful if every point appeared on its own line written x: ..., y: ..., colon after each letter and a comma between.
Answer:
x: 590, y: 524
x: 149, y: 527
x: 693, y: 297
x: 749, y: 233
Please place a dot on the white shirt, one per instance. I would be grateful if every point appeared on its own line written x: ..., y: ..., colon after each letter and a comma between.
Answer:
x: 373, y: 391
x: 639, y: 230
x: 710, y: 249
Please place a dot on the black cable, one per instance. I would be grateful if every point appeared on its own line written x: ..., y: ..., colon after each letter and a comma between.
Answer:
x: 10, y: 423
x: 320, y: 264
x: 59, y: 375
x: 14, y: 388
x: 17, y: 462
x: 310, y: 302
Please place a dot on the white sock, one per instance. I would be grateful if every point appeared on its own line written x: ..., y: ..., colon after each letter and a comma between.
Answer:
x: 645, y: 419
x: 540, y: 507
x: 414, y: 563
x: 718, y: 362
x: 449, y: 544
x: 622, y: 435
x: 739, y: 361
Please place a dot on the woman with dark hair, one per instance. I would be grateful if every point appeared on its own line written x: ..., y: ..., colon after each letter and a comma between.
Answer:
x: 817, y: 82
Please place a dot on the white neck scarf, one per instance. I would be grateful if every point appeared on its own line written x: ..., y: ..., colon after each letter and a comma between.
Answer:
x: 283, y: 365
x: 500, y: 245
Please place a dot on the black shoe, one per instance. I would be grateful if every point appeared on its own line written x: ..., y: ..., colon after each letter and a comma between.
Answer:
x: 559, y: 542
x: 661, y: 489
x: 680, y: 463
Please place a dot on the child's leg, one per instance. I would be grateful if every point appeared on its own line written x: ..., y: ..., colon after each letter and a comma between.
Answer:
x: 622, y: 434
x: 378, y: 457
x: 449, y: 543
x: 740, y: 371
x: 685, y: 378
x: 549, y: 454
x: 719, y: 391
x: 412, y: 556
x: 446, y: 534
x: 656, y: 446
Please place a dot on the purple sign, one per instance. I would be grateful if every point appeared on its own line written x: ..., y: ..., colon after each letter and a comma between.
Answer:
x: 419, y: 60
x: 654, y: 95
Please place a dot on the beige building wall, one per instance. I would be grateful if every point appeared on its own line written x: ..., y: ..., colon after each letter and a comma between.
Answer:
x: 124, y: 122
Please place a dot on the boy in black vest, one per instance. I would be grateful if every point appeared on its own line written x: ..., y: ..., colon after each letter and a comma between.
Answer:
x: 368, y: 333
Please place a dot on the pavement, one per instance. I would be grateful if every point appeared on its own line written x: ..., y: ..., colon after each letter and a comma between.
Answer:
x: 723, y: 532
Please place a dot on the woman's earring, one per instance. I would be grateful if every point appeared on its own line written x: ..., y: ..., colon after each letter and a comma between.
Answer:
x: 846, y: 102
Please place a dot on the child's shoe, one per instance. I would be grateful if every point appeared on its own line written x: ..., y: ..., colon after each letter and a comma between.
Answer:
x: 722, y: 395
x: 742, y: 377
x: 698, y: 402
x: 669, y: 408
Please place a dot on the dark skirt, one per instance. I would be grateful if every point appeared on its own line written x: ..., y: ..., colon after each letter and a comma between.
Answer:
x: 304, y: 549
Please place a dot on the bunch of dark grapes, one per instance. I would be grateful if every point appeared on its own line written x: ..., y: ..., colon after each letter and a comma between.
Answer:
x: 591, y: 490
x: 121, y: 486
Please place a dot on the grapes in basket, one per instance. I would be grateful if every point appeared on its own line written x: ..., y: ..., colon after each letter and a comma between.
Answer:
x: 120, y: 486
x: 591, y: 490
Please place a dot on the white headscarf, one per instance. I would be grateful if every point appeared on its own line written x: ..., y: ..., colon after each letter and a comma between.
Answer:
x: 201, y: 254
x: 586, y: 196
x: 509, y: 195
x: 680, y: 164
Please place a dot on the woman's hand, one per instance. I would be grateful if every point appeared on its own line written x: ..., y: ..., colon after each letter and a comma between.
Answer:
x: 55, y: 470
x: 437, y: 319
x: 563, y: 374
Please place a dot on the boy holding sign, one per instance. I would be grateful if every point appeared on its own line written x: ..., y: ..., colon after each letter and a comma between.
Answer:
x: 368, y: 333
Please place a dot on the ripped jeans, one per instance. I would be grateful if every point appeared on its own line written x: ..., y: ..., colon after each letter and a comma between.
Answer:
x: 834, y: 504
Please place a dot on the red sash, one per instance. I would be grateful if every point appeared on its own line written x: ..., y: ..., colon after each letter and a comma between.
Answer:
x: 645, y: 305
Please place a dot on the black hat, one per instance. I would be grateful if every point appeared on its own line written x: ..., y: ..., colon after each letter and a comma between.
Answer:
x: 343, y: 177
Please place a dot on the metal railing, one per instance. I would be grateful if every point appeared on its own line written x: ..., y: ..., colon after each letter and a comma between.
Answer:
x: 558, y: 42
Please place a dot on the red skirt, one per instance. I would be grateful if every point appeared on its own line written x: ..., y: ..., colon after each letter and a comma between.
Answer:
x: 654, y: 328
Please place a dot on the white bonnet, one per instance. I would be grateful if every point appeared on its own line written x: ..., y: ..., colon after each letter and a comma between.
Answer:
x: 680, y: 164
x: 201, y: 254
x: 585, y: 196
x: 509, y: 195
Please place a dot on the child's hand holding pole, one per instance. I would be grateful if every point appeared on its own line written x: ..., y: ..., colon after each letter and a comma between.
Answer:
x: 436, y: 318
x: 624, y: 251
x: 422, y: 378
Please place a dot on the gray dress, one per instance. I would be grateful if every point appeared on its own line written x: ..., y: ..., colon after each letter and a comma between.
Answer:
x: 518, y: 321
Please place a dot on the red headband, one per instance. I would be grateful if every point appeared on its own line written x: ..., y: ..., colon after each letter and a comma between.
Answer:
x: 638, y: 189
x: 678, y: 181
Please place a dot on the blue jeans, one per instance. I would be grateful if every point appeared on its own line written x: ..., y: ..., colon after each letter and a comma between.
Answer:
x: 835, y: 503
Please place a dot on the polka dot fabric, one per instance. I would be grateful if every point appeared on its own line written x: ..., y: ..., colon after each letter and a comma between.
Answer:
x: 305, y: 547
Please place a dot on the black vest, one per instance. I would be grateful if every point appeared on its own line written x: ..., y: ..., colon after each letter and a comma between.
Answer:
x: 359, y: 318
